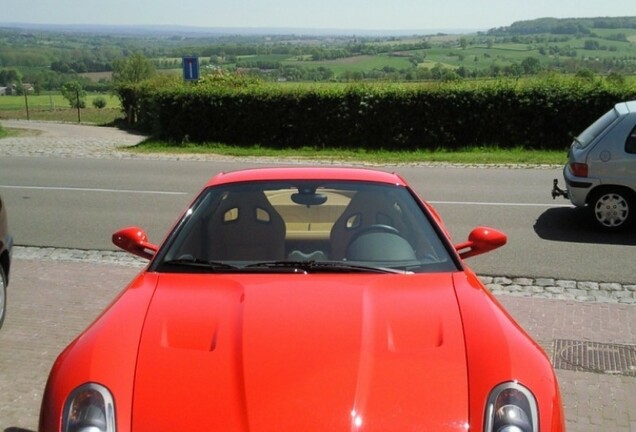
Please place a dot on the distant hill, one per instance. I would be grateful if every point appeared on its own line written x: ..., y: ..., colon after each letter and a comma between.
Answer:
x: 564, y: 25
x: 192, y: 31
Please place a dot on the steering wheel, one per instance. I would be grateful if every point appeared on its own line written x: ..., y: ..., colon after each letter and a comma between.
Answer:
x: 380, y: 243
x: 375, y: 228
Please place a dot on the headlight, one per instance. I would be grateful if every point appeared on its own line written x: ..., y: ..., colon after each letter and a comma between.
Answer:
x: 90, y: 408
x: 511, y: 408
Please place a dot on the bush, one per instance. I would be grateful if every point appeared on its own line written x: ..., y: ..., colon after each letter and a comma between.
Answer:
x: 542, y: 113
x: 99, y: 102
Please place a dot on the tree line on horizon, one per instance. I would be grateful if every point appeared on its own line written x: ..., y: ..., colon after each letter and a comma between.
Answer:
x: 48, y: 60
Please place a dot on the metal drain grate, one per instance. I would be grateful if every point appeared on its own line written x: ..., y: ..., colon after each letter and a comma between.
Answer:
x: 595, y: 357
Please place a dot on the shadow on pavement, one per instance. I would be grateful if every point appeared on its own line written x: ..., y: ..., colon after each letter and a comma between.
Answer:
x: 17, y: 429
x: 573, y: 224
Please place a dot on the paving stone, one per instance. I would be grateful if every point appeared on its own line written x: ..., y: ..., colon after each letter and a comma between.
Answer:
x: 576, y: 292
x: 568, y: 284
x: 544, y: 282
x: 501, y: 280
x: 486, y: 279
x: 523, y: 281
x: 554, y: 289
x: 588, y: 285
x: 611, y: 286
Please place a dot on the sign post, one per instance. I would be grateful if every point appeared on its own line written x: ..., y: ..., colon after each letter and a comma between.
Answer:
x: 190, y: 68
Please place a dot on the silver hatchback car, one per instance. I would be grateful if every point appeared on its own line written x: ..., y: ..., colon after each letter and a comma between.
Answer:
x: 601, y: 169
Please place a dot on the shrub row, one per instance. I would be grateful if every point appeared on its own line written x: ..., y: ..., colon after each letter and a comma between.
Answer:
x: 534, y: 114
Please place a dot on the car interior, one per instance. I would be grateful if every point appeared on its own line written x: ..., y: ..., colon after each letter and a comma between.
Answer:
x: 307, y: 223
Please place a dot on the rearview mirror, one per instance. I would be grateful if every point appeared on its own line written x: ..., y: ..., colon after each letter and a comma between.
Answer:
x: 481, y: 240
x: 135, y: 241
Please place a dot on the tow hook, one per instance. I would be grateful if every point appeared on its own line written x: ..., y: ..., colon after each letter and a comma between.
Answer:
x: 557, y: 191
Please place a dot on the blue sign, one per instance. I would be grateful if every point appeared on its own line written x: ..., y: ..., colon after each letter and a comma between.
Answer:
x: 190, y: 68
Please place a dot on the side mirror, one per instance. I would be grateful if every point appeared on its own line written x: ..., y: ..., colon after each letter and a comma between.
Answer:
x: 481, y: 240
x: 135, y: 241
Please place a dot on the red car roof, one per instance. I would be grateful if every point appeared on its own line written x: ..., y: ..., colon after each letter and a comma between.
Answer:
x: 308, y: 173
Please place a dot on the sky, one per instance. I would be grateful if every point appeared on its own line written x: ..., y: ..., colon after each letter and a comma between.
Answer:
x: 315, y: 14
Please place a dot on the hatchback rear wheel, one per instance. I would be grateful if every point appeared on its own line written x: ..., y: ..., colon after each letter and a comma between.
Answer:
x: 612, y: 209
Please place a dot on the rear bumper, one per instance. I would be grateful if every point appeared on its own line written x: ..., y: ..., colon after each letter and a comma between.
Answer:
x: 578, y: 188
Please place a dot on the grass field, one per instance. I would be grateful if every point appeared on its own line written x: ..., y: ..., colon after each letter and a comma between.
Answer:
x: 53, y: 107
x: 481, y: 53
x: 52, y: 101
x: 363, y: 63
x: 97, y: 76
x: 94, y: 116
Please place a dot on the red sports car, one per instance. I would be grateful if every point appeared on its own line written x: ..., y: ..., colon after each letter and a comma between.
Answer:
x: 304, y: 299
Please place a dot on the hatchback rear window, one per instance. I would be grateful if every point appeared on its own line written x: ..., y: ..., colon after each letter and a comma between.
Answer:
x: 595, y: 129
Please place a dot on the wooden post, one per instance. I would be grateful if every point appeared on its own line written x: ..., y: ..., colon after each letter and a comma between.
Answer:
x: 79, y: 118
x: 26, y: 102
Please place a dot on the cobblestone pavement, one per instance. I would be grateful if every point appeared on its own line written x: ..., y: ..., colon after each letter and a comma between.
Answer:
x: 55, y: 293
x: 66, y: 140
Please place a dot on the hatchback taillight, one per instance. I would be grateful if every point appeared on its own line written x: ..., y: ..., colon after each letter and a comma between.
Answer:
x: 578, y: 169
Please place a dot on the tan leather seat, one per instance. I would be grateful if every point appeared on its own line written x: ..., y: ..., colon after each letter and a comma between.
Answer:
x: 247, y: 227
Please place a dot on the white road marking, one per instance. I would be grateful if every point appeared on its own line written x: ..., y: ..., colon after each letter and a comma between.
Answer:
x: 498, y: 204
x: 76, y: 189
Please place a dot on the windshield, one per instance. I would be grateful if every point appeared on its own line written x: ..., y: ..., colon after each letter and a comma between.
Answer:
x: 305, y: 227
x: 595, y: 129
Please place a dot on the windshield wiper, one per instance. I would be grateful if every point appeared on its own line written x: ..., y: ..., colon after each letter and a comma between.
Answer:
x: 304, y: 267
x: 322, y: 267
x: 200, y: 264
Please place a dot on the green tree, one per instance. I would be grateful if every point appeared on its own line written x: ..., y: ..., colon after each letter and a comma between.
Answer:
x: 75, y: 94
x: 132, y: 69
x: 531, y: 65
x: 592, y: 44
x: 10, y: 76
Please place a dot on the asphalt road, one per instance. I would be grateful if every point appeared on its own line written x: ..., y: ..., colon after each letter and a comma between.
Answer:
x: 77, y: 202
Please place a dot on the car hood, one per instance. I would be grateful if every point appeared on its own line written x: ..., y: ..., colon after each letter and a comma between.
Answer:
x: 302, y: 352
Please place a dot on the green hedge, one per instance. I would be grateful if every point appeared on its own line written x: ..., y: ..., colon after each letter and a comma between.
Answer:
x: 538, y: 114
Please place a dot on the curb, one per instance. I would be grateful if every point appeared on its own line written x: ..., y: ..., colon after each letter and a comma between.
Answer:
x: 545, y: 288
